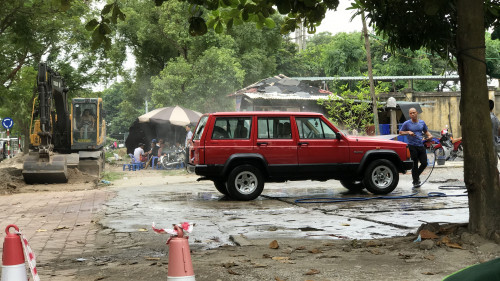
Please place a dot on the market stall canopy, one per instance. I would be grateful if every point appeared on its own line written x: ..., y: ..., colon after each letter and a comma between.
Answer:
x: 174, y: 115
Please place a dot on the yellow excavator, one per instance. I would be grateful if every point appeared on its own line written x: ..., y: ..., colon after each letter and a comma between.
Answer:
x: 62, y: 138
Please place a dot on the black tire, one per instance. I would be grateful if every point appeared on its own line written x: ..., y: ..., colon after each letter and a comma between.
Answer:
x: 460, y: 151
x: 354, y: 186
x: 221, y: 186
x: 381, y: 177
x: 245, y: 183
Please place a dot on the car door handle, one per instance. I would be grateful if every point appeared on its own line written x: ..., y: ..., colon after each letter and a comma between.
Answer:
x: 262, y: 143
x: 303, y: 143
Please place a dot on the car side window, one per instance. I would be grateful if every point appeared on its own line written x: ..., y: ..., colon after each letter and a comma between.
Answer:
x: 232, y: 128
x: 274, y: 128
x: 198, y: 132
x: 314, y: 128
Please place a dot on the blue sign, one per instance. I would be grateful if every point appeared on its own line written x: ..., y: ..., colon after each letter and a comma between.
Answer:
x: 7, y: 123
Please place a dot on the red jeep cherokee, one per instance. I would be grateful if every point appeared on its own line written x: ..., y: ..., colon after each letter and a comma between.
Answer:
x: 239, y: 151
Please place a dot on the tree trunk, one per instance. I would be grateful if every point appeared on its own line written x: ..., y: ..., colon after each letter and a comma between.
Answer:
x: 370, y: 74
x: 480, y: 171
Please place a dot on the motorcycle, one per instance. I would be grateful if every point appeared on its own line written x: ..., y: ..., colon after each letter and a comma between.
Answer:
x: 449, y: 147
x: 173, y: 158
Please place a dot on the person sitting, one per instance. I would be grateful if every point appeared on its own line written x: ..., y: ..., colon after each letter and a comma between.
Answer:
x: 139, y: 154
x: 153, y: 151
x: 241, y: 131
x: 87, y: 124
x: 162, y: 148
x: 287, y: 131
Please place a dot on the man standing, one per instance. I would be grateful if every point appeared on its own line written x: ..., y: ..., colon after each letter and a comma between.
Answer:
x: 415, y: 129
x: 189, y: 136
x: 187, y: 143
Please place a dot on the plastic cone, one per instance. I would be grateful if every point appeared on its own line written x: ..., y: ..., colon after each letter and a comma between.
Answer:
x: 13, y: 268
x: 180, y: 266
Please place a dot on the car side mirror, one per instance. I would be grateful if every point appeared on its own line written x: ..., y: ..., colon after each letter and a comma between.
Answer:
x: 338, y: 136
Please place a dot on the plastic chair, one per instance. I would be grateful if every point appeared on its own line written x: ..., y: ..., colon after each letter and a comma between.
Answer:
x: 136, y: 165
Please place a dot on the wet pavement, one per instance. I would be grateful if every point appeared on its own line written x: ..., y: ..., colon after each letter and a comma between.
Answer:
x: 277, y: 214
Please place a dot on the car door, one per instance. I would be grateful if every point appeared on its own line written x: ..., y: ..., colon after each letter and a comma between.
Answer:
x: 275, y: 142
x: 320, y: 153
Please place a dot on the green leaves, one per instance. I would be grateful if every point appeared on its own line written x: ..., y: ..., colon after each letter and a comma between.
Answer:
x: 284, y: 6
x: 197, y: 26
x: 110, y: 13
x: 91, y: 25
x: 352, y: 109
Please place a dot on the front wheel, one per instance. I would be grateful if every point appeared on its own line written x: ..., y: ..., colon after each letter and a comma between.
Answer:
x: 381, y: 177
x: 245, y: 183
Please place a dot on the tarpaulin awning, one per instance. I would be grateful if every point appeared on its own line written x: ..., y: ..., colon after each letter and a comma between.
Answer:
x: 174, y: 115
x: 405, y: 108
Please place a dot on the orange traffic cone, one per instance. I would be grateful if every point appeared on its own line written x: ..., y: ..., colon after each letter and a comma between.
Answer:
x: 180, y: 266
x: 13, y: 268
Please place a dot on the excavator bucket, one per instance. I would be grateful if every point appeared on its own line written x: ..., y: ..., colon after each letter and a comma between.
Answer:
x: 37, y: 171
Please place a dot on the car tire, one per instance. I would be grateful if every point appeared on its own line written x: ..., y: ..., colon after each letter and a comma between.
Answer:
x: 354, y: 186
x: 381, y: 177
x: 245, y: 183
x: 221, y: 186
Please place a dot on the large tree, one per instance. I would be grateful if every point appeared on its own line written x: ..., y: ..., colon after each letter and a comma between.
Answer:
x: 456, y: 28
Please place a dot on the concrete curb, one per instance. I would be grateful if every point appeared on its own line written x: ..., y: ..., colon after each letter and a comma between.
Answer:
x: 450, y: 164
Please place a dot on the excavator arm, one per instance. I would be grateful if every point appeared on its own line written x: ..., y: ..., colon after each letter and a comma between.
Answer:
x: 55, y: 123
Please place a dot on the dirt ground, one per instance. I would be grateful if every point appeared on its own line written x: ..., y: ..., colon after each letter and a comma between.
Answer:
x: 11, y: 179
x: 129, y: 256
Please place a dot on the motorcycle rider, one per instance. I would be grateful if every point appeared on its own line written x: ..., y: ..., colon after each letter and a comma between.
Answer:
x: 415, y: 129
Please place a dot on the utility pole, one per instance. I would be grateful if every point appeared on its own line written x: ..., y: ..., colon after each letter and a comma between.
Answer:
x: 370, y: 73
x: 300, y: 36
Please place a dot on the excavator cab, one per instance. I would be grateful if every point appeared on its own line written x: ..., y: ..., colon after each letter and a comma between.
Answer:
x: 88, y: 128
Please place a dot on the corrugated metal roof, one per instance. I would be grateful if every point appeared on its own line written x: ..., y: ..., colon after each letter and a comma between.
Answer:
x: 279, y: 96
x: 283, y: 85
x: 381, y: 78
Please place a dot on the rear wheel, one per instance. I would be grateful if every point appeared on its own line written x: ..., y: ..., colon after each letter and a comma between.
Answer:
x: 221, y: 186
x: 245, y: 183
x: 381, y: 177
x: 353, y: 185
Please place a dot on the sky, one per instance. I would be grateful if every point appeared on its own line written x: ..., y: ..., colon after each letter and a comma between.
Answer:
x: 339, y: 21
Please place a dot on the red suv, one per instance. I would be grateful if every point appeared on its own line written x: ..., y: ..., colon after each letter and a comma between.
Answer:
x: 239, y: 151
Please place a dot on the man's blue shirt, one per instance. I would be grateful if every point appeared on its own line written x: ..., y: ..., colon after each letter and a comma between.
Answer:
x: 418, y: 128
